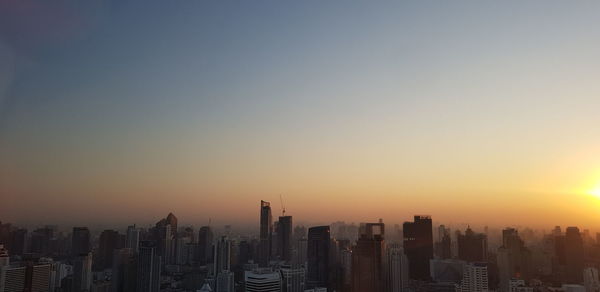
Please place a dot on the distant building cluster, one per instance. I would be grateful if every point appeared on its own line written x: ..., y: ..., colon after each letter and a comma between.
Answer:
x: 284, y: 257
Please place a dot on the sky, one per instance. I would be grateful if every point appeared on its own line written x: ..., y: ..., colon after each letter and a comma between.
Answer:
x: 478, y: 112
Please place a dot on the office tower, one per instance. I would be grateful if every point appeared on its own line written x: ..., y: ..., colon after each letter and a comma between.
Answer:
x: 514, y: 259
x: 40, y: 240
x: 172, y: 220
x: 37, y: 277
x: 80, y: 241
x: 318, y: 257
x: 109, y: 241
x: 396, y: 269
x: 292, y: 279
x: 148, y: 267
x: 164, y: 239
x: 472, y: 247
x: 574, y: 255
x: 443, y: 247
x: 123, y: 270
x: 346, y: 269
x: 133, y: 238
x: 262, y: 281
x: 300, y: 252
x: 205, y: 245
x: 222, y: 256
x: 418, y: 246
x: 447, y: 270
x: 475, y: 278
x: 367, y: 258
x: 13, y: 278
x: 266, y: 232
x: 284, y: 238
x: 18, y: 239
x: 590, y: 279
x: 299, y: 232
x: 82, y: 273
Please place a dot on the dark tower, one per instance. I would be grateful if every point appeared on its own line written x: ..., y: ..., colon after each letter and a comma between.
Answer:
x: 418, y: 246
x: 266, y: 232
x: 318, y: 257
x: 205, y: 243
x: 367, y: 258
x: 284, y: 238
x: 80, y: 241
x: 472, y: 247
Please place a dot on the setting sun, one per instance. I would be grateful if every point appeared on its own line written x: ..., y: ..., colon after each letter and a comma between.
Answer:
x: 596, y: 191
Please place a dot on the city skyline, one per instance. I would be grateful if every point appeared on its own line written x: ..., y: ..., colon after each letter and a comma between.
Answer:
x: 474, y: 112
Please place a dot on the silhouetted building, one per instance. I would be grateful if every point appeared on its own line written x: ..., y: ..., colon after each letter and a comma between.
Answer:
x: 123, y: 277
x: 472, y: 247
x: 148, y: 267
x: 367, y: 258
x: 514, y: 259
x: 222, y: 256
x: 574, y: 255
x: 292, y: 279
x: 80, y: 241
x: 172, y: 220
x: 443, y: 247
x: 109, y: 242
x: 266, y: 233
x: 284, y: 238
x: 318, y: 257
x: 82, y: 273
x: 133, y: 238
x: 418, y: 246
x: 205, y: 245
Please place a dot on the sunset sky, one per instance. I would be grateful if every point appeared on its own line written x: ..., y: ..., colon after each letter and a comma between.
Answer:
x: 481, y: 112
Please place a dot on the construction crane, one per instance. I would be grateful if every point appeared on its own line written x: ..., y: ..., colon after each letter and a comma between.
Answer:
x: 282, y: 206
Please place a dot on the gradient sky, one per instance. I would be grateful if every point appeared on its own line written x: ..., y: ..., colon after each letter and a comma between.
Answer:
x: 481, y: 112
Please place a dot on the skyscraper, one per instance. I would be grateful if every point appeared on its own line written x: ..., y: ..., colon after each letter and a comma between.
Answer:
x: 266, y: 231
x: 222, y: 256
x: 82, y: 273
x: 472, y: 247
x: 418, y: 246
x: 292, y: 279
x: 574, y: 255
x: 367, y: 258
x: 514, y: 259
x: 123, y: 270
x: 284, y: 238
x: 148, y: 267
x: 172, y: 220
x: 205, y: 245
x: 133, y: 238
x: 318, y: 257
x: 109, y: 242
x: 396, y: 269
x: 80, y: 241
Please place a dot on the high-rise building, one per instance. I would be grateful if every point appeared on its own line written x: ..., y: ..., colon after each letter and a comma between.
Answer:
x: 163, y: 236
x: 590, y: 279
x: 472, y: 247
x: 148, y: 267
x: 205, y: 245
x: 133, y: 238
x: 82, y: 273
x: 262, y: 281
x: 123, y: 270
x: 80, y: 241
x: 109, y: 241
x: 396, y: 269
x: 18, y: 239
x: 318, y: 257
x: 172, y: 220
x: 418, y: 246
x: 292, y: 279
x: 367, y: 258
x: 443, y: 247
x: 475, y: 278
x: 284, y: 238
x: 222, y: 256
x: 266, y: 233
x: 513, y: 258
x: 574, y: 255
x: 224, y: 282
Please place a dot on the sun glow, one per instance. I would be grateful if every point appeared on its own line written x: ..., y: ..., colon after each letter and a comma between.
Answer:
x: 596, y: 191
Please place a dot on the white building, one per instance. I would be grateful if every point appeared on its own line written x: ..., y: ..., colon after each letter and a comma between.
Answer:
x: 475, y: 278
x: 396, y: 268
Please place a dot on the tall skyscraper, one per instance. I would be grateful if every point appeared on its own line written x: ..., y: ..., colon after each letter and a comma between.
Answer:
x: 284, y: 238
x: 148, y: 267
x: 205, y: 245
x: 418, y: 246
x: 80, y: 241
x: 472, y: 247
x: 367, y: 258
x: 123, y: 277
x: 443, y: 247
x: 514, y: 259
x: 266, y: 233
x: 109, y: 242
x: 163, y: 236
x: 133, y: 238
x: 222, y: 256
x: 396, y: 269
x: 318, y: 257
x: 574, y: 255
x: 82, y: 273
x: 172, y: 220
